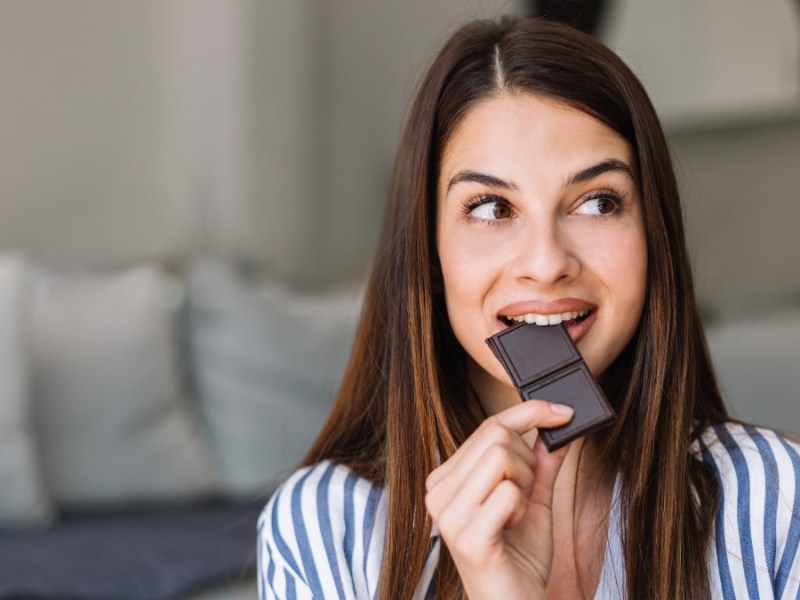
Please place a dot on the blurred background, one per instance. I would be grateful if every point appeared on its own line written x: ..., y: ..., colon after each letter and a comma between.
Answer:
x: 191, y: 192
x: 265, y: 131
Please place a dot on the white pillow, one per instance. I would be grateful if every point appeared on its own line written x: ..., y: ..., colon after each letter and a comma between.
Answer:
x: 115, y: 424
x: 23, y: 498
x: 267, y: 363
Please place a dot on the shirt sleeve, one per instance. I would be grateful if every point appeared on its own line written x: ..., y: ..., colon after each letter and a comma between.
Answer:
x: 321, y: 536
x: 787, y: 516
x: 757, y: 528
x: 280, y: 574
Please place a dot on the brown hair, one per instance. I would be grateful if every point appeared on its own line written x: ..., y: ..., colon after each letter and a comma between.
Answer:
x: 405, y: 401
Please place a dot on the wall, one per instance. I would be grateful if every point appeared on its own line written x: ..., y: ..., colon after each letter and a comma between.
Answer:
x: 725, y: 79
x: 711, y: 61
x: 375, y: 54
x: 96, y: 146
x: 265, y: 131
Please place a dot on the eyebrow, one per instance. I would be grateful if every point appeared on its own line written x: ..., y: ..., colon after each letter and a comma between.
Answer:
x: 582, y: 176
x: 609, y: 165
x: 475, y: 177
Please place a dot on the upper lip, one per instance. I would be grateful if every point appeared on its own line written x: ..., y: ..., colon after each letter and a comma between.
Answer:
x: 540, y: 307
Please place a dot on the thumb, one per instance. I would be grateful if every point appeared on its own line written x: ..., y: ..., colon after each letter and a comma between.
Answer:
x: 548, y: 465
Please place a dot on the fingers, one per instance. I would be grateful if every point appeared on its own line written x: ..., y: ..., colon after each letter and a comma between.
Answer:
x: 498, y: 463
x: 492, y: 500
x: 493, y: 455
x: 504, y: 506
x: 527, y: 415
x: 490, y: 434
x: 546, y: 469
x: 502, y: 428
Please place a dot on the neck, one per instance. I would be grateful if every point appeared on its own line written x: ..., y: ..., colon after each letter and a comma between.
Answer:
x: 581, y: 508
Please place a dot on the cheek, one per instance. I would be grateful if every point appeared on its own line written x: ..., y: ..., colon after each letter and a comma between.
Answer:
x: 468, y: 274
x: 462, y: 280
x: 635, y: 262
x: 626, y: 269
x: 467, y: 265
x: 618, y: 261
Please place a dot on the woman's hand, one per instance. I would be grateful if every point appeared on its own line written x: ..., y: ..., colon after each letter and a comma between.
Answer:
x: 492, y: 501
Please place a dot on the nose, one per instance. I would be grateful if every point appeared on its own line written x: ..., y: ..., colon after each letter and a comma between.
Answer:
x: 543, y: 254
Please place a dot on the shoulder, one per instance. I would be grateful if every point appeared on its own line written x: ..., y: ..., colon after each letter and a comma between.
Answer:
x: 319, y: 524
x: 757, y: 468
x: 757, y: 529
x: 754, y: 453
x: 317, y: 494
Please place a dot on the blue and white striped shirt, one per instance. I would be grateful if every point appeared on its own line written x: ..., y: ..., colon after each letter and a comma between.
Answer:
x: 321, y: 535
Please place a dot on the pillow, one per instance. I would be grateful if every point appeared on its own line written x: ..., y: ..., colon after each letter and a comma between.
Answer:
x: 757, y: 360
x: 23, y: 498
x: 114, y: 421
x: 267, y: 362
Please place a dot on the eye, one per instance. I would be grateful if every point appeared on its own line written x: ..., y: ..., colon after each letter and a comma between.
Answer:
x: 602, y: 204
x: 489, y: 208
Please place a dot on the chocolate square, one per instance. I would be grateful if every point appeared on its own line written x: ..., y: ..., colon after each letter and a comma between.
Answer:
x: 531, y: 353
x: 544, y: 364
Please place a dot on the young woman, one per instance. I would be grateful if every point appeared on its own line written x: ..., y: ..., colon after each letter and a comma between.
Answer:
x: 532, y: 183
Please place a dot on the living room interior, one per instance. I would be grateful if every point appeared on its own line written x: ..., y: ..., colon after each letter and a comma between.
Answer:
x: 190, y: 198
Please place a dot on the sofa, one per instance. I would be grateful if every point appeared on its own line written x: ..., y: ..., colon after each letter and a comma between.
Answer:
x: 147, y: 414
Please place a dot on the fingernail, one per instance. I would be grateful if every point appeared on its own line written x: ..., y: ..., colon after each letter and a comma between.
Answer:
x: 561, y: 409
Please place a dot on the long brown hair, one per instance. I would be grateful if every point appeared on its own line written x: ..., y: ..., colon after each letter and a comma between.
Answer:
x: 405, y: 402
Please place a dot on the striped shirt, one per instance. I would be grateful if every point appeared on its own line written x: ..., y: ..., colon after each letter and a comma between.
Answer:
x: 321, y: 534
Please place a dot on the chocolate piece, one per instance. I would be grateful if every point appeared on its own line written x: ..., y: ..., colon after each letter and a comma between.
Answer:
x: 544, y: 364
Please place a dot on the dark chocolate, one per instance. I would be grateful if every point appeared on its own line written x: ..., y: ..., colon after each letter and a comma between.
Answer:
x: 544, y: 364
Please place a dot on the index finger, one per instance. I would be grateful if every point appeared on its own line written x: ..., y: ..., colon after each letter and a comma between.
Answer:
x: 533, y: 414
x: 520, y: 419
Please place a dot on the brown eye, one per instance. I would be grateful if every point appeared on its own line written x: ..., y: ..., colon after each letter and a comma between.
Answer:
x: 490, y: 209
x: 605, y: 206
x: 600, y: 206
x: 501, y: 211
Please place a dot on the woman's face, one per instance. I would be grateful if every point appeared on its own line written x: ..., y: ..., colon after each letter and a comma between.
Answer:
x: 539, y: 218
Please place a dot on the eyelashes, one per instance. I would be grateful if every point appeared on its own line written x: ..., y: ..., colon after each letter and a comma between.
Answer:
x: 602, y: 203
x: 488, y: 209
x: 492, y: 209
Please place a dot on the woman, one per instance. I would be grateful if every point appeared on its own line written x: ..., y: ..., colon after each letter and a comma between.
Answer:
x: 533, y: 183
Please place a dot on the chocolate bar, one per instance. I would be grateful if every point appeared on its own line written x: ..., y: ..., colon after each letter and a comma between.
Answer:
x: 544, y: 364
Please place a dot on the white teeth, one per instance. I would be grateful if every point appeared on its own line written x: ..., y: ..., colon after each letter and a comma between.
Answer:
x: 553, y: 319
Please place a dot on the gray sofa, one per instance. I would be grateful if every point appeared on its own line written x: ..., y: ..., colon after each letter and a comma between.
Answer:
x: 146, y: 417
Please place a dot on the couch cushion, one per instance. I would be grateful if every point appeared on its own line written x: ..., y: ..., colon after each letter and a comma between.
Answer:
x: 115, y: 424
x: 267, y: 362
x: 145, y: 555
x: 23, y: 498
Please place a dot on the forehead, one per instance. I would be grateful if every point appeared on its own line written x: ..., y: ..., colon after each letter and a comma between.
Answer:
x: 527, y: 126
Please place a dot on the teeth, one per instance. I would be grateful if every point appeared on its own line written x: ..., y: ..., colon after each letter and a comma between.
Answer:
x: 548, y: 319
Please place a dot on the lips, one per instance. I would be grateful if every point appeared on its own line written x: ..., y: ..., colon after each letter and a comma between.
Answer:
x: 575, y: 314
